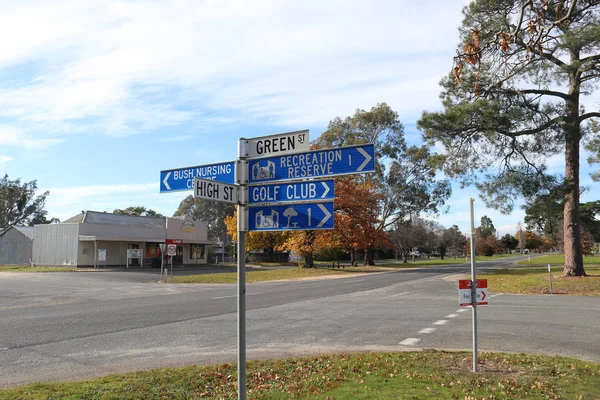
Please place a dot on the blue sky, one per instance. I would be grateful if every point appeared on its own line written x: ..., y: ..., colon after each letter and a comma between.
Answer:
x: 97, y: 97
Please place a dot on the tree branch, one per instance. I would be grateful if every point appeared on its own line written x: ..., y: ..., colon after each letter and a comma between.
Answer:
x: 591, y: 59
x: 589, y: 115
x: 533, y: 131
x: 544, y: 92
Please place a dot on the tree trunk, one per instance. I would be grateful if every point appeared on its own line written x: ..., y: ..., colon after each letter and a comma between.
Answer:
x: 572, y: 235
x: 352, y: 257
x: 369, y: 257
x: 309, y: 262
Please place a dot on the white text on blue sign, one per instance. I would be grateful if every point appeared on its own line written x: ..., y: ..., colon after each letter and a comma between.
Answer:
x: 288, y: 192
x: 183, y: 178
x: 319, y: 163
x: 291, y: 217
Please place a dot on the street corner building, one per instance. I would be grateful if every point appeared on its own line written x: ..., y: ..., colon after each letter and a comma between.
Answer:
x: 16, y: 245
x: 100, y: 239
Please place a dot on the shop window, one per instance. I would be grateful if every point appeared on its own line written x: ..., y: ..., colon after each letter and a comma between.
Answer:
x: 197, y: 251
x: 152, y: 250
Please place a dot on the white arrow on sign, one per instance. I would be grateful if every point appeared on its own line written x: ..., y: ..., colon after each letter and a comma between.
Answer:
x: 326, y: 217
x: 367, y: 158
x: 326, y: 186
x: 165, y: 181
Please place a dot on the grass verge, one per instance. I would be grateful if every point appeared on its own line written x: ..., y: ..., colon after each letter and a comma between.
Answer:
x: 536, y: 280
x: 557, y: 259
x: 24, y: 268
x: 271, y: 275
x: 414, y: 375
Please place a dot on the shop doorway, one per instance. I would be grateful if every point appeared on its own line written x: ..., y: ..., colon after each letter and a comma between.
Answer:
x: 178, y: 258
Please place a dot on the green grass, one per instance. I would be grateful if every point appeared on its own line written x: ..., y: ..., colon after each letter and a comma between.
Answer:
x: 271, y: 275
x: 414, y: 375
x: 557, y: 259
x: 536, y: 280
x: 24, y: 268
x: 446, y: 261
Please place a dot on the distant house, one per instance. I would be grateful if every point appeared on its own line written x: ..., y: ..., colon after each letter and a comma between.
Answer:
x: 16, y: 245
x: 93, y: 239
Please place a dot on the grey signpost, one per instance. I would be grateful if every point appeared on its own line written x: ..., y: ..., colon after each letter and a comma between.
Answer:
x: 473, y: 286
x: 278, y: 185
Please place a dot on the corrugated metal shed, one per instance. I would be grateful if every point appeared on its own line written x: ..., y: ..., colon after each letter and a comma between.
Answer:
x: 56, y: 244
x: 16, y: 245
x: 25, y: 230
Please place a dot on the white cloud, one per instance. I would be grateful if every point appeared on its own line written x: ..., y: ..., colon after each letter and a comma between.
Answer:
x: 134, y: 67
x: 15, y: 137
x: 4, y: 159
x: 76, y: 194
x: 175, y: 138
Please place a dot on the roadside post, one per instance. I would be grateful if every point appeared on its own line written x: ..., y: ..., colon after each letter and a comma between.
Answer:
x: 278, y: 184
x: 162, y: 259
x: 473, y: 292
x: 473, y: 286
x: 550, y: 278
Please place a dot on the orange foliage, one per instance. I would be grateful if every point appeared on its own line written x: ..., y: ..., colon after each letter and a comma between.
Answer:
x: 356, y: 223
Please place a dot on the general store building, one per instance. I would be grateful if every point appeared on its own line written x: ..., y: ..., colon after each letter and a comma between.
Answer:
x: 100, y: 239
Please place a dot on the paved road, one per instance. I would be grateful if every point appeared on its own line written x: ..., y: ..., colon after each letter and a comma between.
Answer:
x: 76, y: 325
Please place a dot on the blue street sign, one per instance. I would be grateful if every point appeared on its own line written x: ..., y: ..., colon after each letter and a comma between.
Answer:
x: 291, y: 192
x: 290, y: 217
x: 314, y: 164
x: 183, y: 178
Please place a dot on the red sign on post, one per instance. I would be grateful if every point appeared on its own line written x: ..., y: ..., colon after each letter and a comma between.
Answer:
x: 464, y: 292
x: 174, y: 241
x: 171, y: 250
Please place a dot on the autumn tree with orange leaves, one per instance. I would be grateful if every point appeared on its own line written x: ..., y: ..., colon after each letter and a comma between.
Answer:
x: 357, y: 225
x: 268, y: 241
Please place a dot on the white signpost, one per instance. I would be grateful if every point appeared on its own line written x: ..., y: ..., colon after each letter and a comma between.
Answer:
x: 298, y: 204
x: 212, y: 190
x: 162, y: 259
x: 135, y: 253
x: 272, y: 145
x: 465, y: 292
x: 171, y: 249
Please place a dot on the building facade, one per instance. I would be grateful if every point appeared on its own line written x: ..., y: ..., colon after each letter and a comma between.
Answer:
x: 98, y: 239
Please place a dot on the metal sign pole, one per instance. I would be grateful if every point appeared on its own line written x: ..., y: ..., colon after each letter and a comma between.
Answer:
x: 241, y: 306
x: 241, y: 267
x: 473, y: 287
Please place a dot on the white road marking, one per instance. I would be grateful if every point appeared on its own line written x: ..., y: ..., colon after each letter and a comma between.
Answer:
x: 427, y: 330
x: 411, y: 341
x: 356, y: 280
x: 461, y: 310
x: 222, y: 297
x: 441, y: 322
x: 3, y: 348
x: 398, y: 294
x: 450, y: 315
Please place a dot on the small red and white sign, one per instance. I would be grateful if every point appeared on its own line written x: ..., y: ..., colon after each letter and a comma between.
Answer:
x: 174, y: 241
x: 464, y: 292
x: 171, y: 250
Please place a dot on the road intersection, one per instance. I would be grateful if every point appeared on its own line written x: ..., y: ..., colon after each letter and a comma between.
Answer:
x: 77, y: 325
